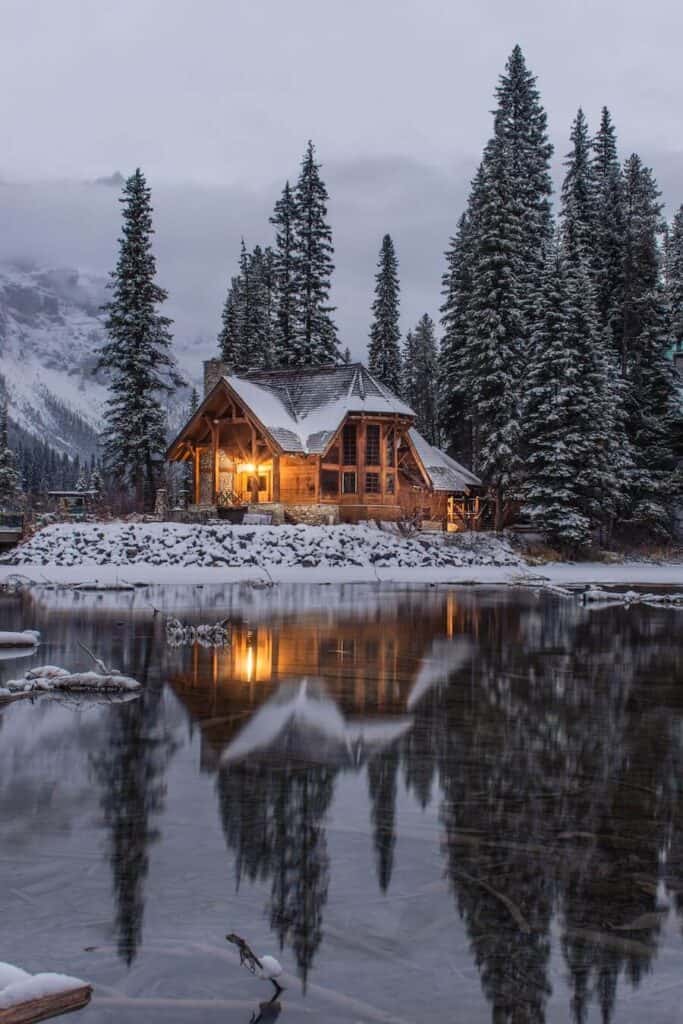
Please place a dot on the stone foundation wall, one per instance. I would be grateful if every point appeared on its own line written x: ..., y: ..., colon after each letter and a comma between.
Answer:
x: 312, y: 515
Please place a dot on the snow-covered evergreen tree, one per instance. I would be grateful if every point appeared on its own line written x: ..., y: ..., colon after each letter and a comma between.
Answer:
x: 489, y: 316
x: 674, y: 282
x: 82, y: 482
x: 245, y: 338
x: 315, y: 341
x: 384, y: 355
x: 651, y: 386
x: 578, y: 192
x: 10, y: 480
x: 230, y: 334
x: 456, y: 413
x: 286, y: 291
x: 554, y: 435
x: 608, y: 237
x: 420, y: 377
x: 137, y: 351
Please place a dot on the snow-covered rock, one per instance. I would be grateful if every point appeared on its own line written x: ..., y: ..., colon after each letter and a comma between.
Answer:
x: 173, y: 544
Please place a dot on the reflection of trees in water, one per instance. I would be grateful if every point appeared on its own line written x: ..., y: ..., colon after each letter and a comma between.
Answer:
x: 382, y: 777
x: 273, y: 818
x: 557, y: 752
x: 555, y: 778
x: 130, y: 772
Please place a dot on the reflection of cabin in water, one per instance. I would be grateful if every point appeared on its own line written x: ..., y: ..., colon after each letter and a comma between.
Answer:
x: 322, y: 444
x: 366, y: 670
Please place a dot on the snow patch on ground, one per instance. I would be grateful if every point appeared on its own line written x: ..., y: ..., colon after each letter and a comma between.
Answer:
x: 173, y: 544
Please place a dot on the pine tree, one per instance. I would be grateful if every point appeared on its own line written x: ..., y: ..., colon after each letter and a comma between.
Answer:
x: 674, y: 282
x: 456, y: 414
x: 137, y: 352
x: 554, y: 445
x: 408, y: 364
x: 421, y: 390
x: 608, y: 238
x: 245, y: 338
x: 384, y: 356
x: 578, y: 192
x: 286, y: 294
x: 603, y: 460
x: 315, y: 341
x: 489, y: 316
x: 10, y: 480
x: 651, y: 387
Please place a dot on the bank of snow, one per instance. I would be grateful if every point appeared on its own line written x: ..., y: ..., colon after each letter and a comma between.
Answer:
x: 178, y: 545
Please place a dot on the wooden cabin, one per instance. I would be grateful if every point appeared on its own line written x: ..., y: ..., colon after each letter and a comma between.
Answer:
x: 325, y: 444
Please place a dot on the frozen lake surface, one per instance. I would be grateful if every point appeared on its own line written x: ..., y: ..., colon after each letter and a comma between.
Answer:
x: 454, y: 804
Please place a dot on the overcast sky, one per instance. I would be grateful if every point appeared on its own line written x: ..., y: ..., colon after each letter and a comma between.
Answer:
x: 215, y: 99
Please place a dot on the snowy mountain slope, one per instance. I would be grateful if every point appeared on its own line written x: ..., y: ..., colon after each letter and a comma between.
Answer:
x: 50, y: 328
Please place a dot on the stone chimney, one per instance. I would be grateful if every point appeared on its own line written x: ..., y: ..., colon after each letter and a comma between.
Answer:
x: 214, y: 369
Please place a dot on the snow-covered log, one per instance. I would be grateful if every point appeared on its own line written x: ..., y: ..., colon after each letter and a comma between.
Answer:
x: 25, y: 997
x: 630, y: 597
x: 22, y: 638
x: 52, y: 679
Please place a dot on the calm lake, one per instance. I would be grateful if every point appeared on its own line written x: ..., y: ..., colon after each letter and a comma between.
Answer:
x: 455, y: 805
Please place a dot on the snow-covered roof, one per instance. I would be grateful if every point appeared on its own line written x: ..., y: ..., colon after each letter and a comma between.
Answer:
x: 303, y: 721
x: 444, y: 472
x: 303, y: 409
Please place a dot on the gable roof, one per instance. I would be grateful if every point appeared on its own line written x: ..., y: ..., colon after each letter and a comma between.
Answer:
x: 444, y: 472
x: 303, y: 409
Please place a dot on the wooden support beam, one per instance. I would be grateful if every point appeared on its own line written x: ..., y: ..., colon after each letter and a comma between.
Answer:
x: 276, y: 477
x: 360, y: 458
x: 197, y: 471
x: 215, y: 455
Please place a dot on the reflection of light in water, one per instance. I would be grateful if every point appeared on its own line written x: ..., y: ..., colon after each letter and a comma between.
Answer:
x: 249, y: 666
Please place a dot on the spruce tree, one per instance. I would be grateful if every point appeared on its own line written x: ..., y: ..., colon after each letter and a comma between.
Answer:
x: 408, y: 364
x: 285, y: 263
x: 603, y: 454
x: 674, y: 282
x: 315, y: 341
x: 578, y: 192
x: 245, y: 338
x: 651, y: 386
x: 553, y: 435
x: 10, y: 480
x: 489, y: 315
x: 230, y: 334
x: 137, y: 351
x: 608, y: 237
x: 456, y: 413
x: 421, y: 389
x: 384, y: 356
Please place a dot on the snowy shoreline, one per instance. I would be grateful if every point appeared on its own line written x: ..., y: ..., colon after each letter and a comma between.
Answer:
x: 125, y: 555
x: 575, y: 573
